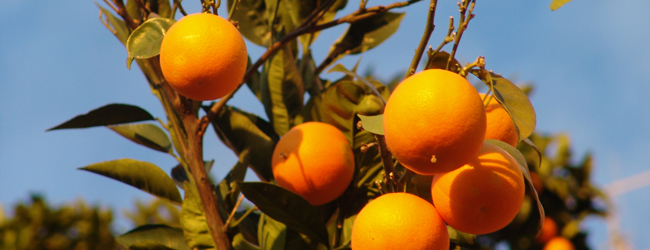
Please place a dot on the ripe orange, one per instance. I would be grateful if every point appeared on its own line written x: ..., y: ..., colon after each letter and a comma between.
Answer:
x: 434, y: 122
x: 549, y: 230
x: 559, y: 243
x: 314, y: 160
x: 482, y: 196
x: 499, y: 124
x: 203, y: 56
x: 399, y: 221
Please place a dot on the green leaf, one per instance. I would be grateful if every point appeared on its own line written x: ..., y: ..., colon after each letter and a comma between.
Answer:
x: 114, y: 24
x: 460, y: 238
x: 282, y: 90
x: 148, y: 245
x: 110, y: 114
x: 161, y: 234
x: 272, y: 234
x: 243, y: 131
x: 338, y: 106
x: 342, y: 69
x: 439, y: 61
x: 145, y: 134
x: 228, y: 191
x: 556, y: 4
x: 286, y: 207
x: 523, y: 165
x: 364, y: 35
x: 161, y: 7
x: 253, y: 21
x: 195, y: 227
x: 516, y: 103
x: 144, y: 42
x: 373, y: 124
x: 179, y: 175
x: 240, y: 243
x: 142, y: 175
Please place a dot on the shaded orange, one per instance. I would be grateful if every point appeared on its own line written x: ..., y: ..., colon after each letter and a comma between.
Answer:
x: 499, y: 124
x: 559, y: 243
x: 434, y: 122
x: 549, y: 230
x: 397, y: 221
x: 314, y: 160
x: 203, y: 56
x: 482, y: 196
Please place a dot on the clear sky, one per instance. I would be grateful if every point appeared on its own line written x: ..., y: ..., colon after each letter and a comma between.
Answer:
x: 589, y: 62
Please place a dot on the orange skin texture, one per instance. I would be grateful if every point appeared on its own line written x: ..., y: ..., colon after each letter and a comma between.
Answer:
x: 203, y: 56
x: 499, y: 124
x: 434, y: 114
x: 559, y: 243
x: 482, y: 196
x: 398, y: 221
x: 549, y: 231
x: 314, y: 160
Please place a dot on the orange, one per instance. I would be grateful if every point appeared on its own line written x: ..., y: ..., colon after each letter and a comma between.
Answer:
x: 399, y: 221
x: 314, y: 160
x: 559, y: 243
x: 434, y: 122
x: 482, y: 196
x: 499, y: 124
x: 203, y: 56
x: 549, y: 230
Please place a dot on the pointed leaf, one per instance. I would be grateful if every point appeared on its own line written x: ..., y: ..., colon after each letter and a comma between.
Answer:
x: 144, y: 42
x: 365, y: 34
x: 240, y: 131
x: 114, y: 24
x: 240, y: 243
x: 373, y: 124
x: 272, y: 234
x: 145, y: 134
x: 179, y: 175
x: 227, y: 192
x: 253, y: 20
x: 516, y: 103
x: 282, y: 90
x: 161, y: 234
x: 338, y: 106
x: 110, y: 114
x: 342, y: 69
x: 523, y: 165
x: 556, y: 4
x: 286, y: 207
x: 142, y: 175
x: 195, y: 227
x: 439, y: 61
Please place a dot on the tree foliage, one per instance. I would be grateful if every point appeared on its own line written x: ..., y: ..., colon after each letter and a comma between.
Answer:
x: 290, y: 85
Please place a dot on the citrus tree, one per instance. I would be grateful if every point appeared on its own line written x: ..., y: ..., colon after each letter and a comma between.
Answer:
x: 348, y: 163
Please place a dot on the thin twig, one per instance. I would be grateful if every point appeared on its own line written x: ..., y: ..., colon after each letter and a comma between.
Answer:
x: 232, y: 9
x: 428, y: 29
x: 465, y: 17
x: 121, y: 10
x: 232, y: 213
x: 177, y: 4
x: 302, y: 29
x: 448, y: 38
x: 387, y: 161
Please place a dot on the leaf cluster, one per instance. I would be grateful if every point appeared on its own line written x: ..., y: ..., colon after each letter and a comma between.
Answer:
x: 290, y: 87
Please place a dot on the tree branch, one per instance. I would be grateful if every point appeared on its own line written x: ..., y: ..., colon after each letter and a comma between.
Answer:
x: 308, y: 27
x: 428, y: 29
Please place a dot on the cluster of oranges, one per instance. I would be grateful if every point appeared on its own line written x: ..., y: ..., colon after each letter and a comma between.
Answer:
x: 435, y: 124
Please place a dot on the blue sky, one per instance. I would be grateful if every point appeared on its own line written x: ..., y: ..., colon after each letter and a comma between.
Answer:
x: 588, y: 60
